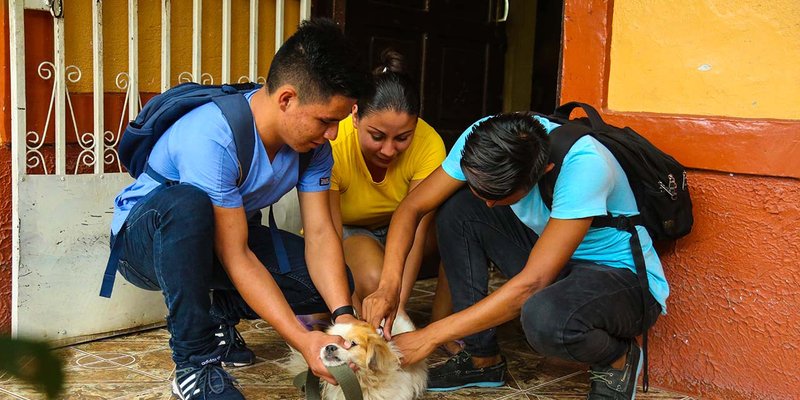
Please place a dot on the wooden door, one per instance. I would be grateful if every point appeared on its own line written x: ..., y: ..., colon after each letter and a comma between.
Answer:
x: 455, y: 50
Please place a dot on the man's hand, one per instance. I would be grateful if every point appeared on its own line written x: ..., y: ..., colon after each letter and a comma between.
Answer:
x: 382, y: 305
x: 415, y: 346
x: 345, y: 319
x: 312, y: 345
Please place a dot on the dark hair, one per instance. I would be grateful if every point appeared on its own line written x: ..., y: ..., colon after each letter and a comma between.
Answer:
x: 504, y: 154
x: 320, y: 62
x: 391, y: 88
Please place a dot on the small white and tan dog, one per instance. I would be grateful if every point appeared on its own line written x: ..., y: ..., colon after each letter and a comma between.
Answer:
x: 379, y: 372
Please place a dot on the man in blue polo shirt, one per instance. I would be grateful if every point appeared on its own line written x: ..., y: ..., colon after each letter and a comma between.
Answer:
x: 574, y: 286
x: 199, y: 232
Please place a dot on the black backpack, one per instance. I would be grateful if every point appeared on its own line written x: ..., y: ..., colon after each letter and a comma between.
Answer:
x: 658, y: 182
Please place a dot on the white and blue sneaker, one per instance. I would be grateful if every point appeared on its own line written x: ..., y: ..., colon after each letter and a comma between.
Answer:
x: 203, y: 378
x: 236, y: 352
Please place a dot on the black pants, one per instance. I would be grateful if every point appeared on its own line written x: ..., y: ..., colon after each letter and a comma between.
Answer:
x: 589, y: 314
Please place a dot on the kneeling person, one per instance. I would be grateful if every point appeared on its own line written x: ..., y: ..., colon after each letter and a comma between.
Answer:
x: 574, y: 286
x: 186, y: 227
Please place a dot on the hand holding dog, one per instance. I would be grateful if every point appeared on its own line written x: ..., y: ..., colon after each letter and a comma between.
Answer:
x: 415, y: 346
x: 379, y: 306
x: 311, y: 353
x: 375, y: 361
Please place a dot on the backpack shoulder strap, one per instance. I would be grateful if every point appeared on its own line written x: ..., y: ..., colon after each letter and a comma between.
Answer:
x: 237, y: 112
x: 595, y: 120
x: 561, y: 140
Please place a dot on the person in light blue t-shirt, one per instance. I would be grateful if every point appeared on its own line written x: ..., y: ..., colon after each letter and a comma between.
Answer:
x: 187, y: 228
x: 574, y: 286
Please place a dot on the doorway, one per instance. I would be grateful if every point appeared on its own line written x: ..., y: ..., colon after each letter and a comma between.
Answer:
x: 471, y: 59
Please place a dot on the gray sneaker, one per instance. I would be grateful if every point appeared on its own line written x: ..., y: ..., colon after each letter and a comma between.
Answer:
x: 459, y: 372
x: 617, y: 384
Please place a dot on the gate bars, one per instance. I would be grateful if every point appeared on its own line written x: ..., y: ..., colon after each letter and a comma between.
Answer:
x: 100, y: 144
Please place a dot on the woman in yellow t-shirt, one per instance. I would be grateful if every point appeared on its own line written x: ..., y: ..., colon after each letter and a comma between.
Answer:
x: 382, y: 152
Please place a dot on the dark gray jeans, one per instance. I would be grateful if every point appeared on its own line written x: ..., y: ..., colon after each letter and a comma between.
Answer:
x: 589, y: 314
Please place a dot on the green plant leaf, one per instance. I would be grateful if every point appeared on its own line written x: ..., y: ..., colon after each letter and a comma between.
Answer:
x: 32, y: 362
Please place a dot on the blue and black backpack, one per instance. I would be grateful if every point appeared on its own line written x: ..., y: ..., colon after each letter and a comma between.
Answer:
x: 164, y: 109
x: 161, y: 112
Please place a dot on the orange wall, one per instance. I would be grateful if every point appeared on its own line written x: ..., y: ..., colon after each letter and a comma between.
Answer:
x: 732, y: 328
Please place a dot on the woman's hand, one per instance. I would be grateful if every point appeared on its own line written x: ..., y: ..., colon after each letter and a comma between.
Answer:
x: 381, y: 305
x: 415, y: 346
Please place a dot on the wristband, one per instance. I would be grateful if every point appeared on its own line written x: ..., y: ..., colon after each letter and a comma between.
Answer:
x: 341, y: 311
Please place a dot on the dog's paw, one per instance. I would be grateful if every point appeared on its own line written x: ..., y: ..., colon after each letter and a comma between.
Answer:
x: 333, y: 355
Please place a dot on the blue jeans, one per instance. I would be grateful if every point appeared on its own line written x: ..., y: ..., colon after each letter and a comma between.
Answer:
x: 168, y: 246
x: 378, y: 234
x: 589, y: 314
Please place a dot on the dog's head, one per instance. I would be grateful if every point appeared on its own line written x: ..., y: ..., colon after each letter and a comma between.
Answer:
x: 369, y: 350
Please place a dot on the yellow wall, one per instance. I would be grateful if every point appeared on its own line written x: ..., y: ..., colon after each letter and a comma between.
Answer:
x: 737, y: 58
x: 78, y: 32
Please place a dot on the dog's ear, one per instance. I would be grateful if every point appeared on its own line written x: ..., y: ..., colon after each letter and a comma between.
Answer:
x: 379, y: 356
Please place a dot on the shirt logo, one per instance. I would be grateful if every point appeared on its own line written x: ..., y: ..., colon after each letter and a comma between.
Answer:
x: 324, y: 181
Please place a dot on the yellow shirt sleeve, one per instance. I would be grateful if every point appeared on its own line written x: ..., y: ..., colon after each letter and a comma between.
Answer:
x: 429, y: 151
x: 342, y: 149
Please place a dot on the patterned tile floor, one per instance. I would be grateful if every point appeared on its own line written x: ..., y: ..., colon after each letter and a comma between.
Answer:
x: 138, y: 366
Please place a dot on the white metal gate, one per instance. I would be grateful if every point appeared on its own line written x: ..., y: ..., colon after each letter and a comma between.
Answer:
x: 60, y: 217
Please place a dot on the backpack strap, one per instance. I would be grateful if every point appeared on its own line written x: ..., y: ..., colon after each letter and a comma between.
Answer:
x: 110, y: 273
x: 561, y: 140
x: 236, y: 111
x: 277, y: 241
x: 628, y: 224
x: 596, y: 121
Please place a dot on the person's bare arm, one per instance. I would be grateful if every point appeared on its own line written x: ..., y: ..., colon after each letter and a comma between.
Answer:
x: 260, y: 291
x: 551, y: 252
x: 416, y: 254
x: 336, y: 211
x: 324, y: 254
x: 426, y: 197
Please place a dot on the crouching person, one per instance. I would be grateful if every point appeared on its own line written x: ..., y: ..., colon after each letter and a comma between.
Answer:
x: 573, y: 286
x: 187, y: 227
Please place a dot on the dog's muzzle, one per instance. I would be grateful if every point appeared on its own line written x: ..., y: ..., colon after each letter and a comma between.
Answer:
x: 331, y: 349
x: 332, y: 355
